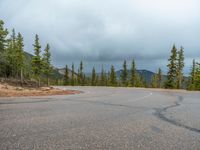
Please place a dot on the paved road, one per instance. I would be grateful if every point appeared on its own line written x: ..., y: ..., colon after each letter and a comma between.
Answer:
x: 102, y: 118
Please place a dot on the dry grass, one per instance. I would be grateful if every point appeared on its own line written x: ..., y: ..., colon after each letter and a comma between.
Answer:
x: 13, y: 91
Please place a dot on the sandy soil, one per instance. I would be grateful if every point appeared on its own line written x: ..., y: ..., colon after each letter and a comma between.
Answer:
x: 12, y: 91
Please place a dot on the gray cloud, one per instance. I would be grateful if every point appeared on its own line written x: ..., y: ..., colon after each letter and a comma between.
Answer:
x: 108, y: 31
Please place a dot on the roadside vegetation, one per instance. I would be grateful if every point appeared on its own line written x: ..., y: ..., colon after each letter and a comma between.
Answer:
x: 16, y: 64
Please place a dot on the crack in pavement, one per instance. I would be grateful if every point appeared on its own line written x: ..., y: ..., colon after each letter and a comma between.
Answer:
x: 160, y: 114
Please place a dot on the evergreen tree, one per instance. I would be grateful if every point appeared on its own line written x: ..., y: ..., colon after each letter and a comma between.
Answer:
x: 107, y: 78
x: 139, y: 81
x: 20, y: 57
x: 133, y: 74
x: 124, y: 74
x: 3, y: 43
x: 36, y: 60
x: 73, y: 75
x: 180, y: 65
x: 103, y: 77
x: 3, y: 35
x: 81, y: 74
x: 66, y: 79
x: 11, y: 60
x: 194, y: 81
x: 84, y: 80
x: 97, y: 80
x: 191, y: 85
x: 93, y: 78
x: 197, y: 77
x: 47, y: 69
x: 154, y: 81
x: 159, y: 78
x: 112, y: 78
x: 172, y: 69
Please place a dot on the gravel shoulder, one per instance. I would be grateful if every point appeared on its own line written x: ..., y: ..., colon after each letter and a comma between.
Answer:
x: 14, y: 91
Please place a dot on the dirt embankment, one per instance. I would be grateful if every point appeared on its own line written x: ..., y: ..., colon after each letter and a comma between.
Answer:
x: 7, y: 90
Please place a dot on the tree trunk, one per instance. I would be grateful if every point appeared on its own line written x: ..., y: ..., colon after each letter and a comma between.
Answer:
x: 21, y: 76
x: 38, y: 81
x: 47, y: 81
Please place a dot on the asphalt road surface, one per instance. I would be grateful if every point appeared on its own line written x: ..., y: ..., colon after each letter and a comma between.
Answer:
x: 102, y: 118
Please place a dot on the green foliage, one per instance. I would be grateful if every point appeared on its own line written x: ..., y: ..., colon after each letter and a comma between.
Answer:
x: 175, y: 69
x: 93, y: 78
x: 180, y: 65
x: 36, y: 60
x: 73, y: 81
x: 159, y: 78
x: 81, y: 79
x: 194, y: 81
x: 103, y: 77
x: 11, y: 57
x: 112, y: 78
x: 66, y: 77
x: 154, y: 81
x: 172, y: 69
x: 20, y: 58
x: 139, y: 81
x: 133, y: 74
x: 3, y: 43
x: 124, y: 74
x: 192, y: 76
x: 20, y: 52
x: 46, y: 63
x: 197, y: 77
x: 16, y: 63
x: 3, y: 35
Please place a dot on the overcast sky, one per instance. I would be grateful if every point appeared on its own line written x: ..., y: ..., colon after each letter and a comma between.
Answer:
x: 108, y: 31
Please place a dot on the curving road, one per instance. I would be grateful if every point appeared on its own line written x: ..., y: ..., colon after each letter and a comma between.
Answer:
x: 102, y: 118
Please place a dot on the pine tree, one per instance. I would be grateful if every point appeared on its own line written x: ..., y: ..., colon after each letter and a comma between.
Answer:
x: 139, y: 81
x: 3, y: 43
x: 93, y: 78
x: 112, y: 78
x: 66, y: 79
x: 194, y: 80
x: 47, y: 69
x: 191, y: 85
x: 197, y: 77
x: 3, y: 35
x: 20, y: 57
x: 14, y: 57
x: 154, y: 81
x: 172, y: 69
x: 133, y: 74
x: 73, y: 75
x: 159, y: 78
x: 36, y: 60
x: 97, y: 80
x: 102, y: 77
x: 81, y: 74
x: 11, y: 60
x: 180, y: 65
x: 124, y: 74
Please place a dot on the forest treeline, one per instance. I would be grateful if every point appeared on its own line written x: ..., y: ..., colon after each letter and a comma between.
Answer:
x: 14, y: 64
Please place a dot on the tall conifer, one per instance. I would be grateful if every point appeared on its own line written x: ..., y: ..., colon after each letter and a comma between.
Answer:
x: 172, y: 69
x: 36, y: 60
